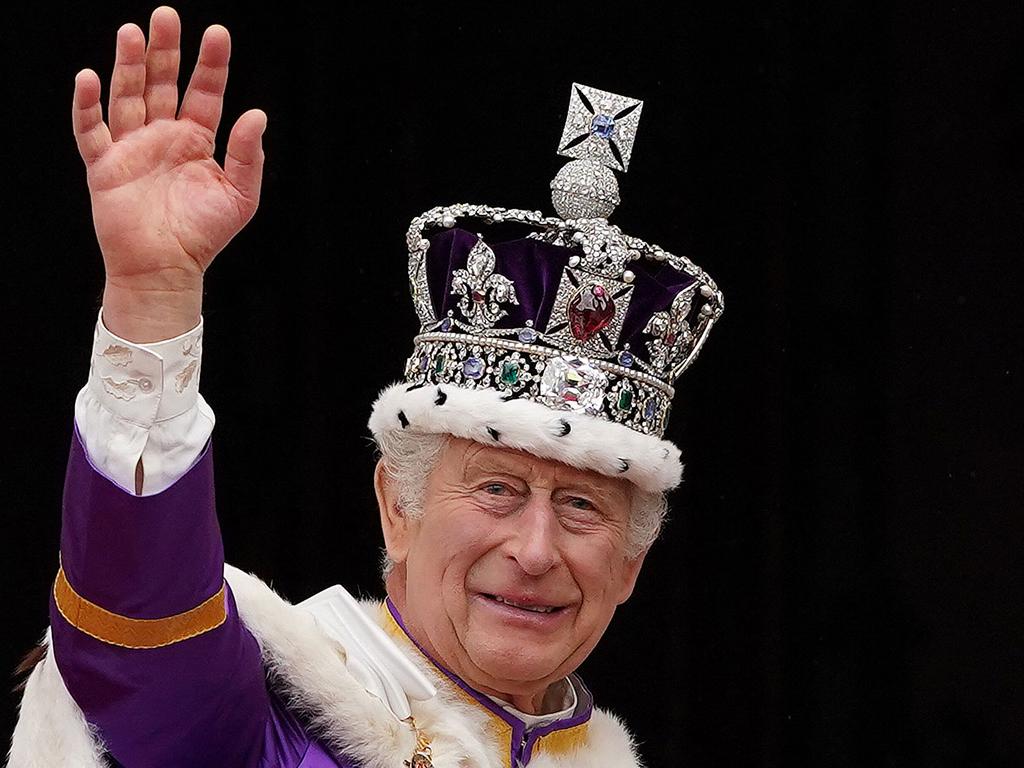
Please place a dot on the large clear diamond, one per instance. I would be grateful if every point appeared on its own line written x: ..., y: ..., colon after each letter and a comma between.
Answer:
x: 573, y: 384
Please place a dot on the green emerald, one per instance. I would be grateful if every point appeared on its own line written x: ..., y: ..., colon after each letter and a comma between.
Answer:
x: 439, y: 362
x: 625, y: 399
x: 509, y: 373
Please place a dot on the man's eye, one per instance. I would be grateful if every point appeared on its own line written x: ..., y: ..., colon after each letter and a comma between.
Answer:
x: 496, y: 489
x: 580, y: 503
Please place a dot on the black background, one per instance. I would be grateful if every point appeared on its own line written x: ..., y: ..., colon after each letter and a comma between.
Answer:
x: 841, y: 580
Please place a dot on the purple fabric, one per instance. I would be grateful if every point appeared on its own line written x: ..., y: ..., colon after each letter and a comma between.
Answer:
x: 536, y: 269
x: 317, y: 757
x: 655, y: 286
x: 203, y: 701
x: 522, y: 741
x: 125, y: 552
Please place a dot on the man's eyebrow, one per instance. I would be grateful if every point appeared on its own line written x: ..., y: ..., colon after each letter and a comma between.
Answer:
x: 482, y: 462
x: 586, y: 486
x: 594, y: 491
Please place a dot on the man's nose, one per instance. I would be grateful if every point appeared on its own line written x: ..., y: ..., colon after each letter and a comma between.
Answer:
x: 534, y: 540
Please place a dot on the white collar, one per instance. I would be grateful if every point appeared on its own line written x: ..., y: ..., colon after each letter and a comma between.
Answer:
x: 536, y: 721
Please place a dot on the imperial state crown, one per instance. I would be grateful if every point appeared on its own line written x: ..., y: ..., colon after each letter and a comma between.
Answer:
x: 565, y: 341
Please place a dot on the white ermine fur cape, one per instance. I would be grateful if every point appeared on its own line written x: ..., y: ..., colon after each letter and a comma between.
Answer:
x: 306, y: 671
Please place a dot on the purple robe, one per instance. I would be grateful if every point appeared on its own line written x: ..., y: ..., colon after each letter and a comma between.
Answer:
x: 201, y: 701
x: 198, y: 701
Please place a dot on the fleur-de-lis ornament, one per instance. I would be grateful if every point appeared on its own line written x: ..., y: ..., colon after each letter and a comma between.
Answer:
x: 483, y: 291
x: 672, y: 335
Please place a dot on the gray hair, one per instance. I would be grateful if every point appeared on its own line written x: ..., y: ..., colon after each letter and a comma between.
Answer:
x: 409, y: 458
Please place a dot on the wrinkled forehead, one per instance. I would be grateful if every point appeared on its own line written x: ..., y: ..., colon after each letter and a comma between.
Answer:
x: 467, y: 457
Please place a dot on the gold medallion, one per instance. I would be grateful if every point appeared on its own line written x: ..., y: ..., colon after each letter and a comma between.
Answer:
x: 421, y: 756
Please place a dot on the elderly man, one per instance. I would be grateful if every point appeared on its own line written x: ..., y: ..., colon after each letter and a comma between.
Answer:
x: 520, y: 484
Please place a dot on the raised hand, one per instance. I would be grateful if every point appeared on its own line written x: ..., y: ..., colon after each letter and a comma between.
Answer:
x: 162, y: 206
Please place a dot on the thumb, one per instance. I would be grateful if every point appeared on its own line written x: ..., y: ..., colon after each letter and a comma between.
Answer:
x: 243, y: 163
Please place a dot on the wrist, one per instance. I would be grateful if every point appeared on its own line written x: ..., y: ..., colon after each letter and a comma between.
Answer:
x: 153, y: 313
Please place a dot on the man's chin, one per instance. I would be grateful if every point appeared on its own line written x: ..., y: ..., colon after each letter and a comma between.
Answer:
x: 515, y: 668
x: 524, y: 651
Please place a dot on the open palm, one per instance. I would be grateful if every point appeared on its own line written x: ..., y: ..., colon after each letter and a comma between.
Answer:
x: 162, y: 206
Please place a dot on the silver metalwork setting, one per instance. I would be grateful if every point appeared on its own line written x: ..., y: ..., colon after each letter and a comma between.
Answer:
x: 584, y: 189
x: 483, y: 291
x: 600, y: 126
x: 524, y: 371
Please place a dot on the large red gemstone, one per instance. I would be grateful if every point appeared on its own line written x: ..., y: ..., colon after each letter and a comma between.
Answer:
x: 590, y: 310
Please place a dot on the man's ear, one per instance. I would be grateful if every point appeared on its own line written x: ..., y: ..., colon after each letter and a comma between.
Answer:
x: 629, y: 575
x: 393, y: 521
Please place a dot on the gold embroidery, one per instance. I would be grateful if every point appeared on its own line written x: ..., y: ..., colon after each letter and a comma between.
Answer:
x: 182, y: 379
x: 564, y: 741
x: 192, y: 347
x: 122, y: 390
x: 126, y: 632
x: 117, y: 355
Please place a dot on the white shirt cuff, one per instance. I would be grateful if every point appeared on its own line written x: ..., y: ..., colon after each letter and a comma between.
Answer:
x: 142, y: 401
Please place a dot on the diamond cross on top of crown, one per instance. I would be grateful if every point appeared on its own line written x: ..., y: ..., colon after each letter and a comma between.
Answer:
x: 600, y: 126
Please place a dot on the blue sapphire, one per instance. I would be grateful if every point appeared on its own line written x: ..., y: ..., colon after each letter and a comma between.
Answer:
x: 473, y: 368
x: 424, y: 363
x: 446, y: 324
x: 650, y: 409
x: 602, y: 126
x: 527, y: 335
x: 626, y: 359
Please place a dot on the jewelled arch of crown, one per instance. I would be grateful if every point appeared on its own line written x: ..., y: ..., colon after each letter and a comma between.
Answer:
x: 576, y: 363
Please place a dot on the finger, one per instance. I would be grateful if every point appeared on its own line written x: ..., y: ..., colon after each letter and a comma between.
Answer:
x: 162, y: 56
x: 204, y: 97
x: 91, y: 133
x: 243, y: 163
x: 127, y: 107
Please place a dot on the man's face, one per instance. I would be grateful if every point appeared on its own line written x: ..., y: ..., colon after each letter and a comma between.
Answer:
x: 515, y: 568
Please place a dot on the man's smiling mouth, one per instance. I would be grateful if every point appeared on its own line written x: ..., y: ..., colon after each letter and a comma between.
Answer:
x: 535, y: 608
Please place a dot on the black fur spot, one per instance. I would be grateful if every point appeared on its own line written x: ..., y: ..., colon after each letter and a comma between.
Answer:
x: 623, y: 465
x: 564, y: 428
x: 442, y: 396
x: 495, y: 434
x: 413, y: 386
x: 401, y: 418
x: 509, y: 396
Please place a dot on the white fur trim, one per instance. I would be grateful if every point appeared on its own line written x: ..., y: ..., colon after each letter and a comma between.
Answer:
x: 608, y: 744
x: 651, y: 463
x: 51, y: 729
x: 306, y: 669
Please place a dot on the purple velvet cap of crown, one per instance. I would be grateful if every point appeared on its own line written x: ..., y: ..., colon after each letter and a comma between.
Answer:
x: 536, y: 268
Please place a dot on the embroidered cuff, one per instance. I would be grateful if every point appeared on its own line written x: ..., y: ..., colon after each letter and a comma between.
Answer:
x: 145, y: 383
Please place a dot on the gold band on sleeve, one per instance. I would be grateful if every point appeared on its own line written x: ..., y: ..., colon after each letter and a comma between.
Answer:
x: 126, y: 632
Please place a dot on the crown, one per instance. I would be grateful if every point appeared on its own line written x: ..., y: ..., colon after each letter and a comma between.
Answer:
x: 573, y: 324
